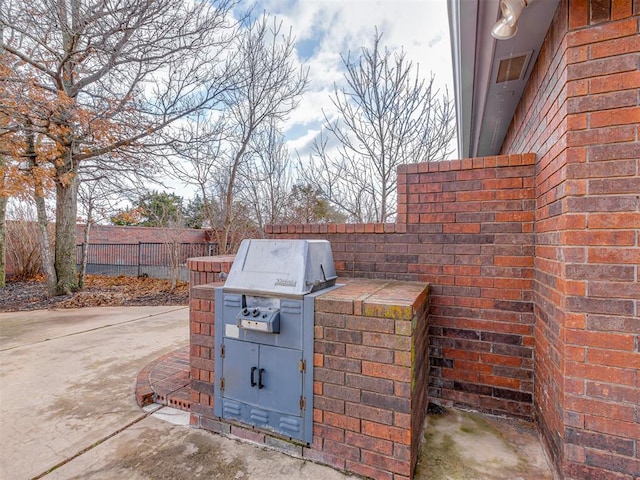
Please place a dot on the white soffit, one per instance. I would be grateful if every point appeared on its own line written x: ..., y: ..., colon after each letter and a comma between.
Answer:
x: 485, y: 106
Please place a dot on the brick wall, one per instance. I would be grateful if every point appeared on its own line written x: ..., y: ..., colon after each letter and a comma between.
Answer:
x: 123, y: 235
x: 465, y: 227
x: 204, y: 276
x: 580, y: 114
x: 201, y: 354
x: 117, y: 234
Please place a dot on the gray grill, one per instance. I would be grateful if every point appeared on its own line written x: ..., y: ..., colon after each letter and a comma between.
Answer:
x: 264, y: 334
x: 282, y: 267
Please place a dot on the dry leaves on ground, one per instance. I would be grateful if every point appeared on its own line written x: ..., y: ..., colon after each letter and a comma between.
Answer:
x: 99, y: 291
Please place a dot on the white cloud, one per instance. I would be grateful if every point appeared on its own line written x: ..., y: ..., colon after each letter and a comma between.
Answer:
x: 302, y: 144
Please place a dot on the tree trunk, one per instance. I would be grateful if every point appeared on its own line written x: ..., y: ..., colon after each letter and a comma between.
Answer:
x: 66, y: 213
x: 228, y: 201
x: 43, y: 223
x: 175, y: 264
x: 228, y: 205
x: 3, y: 240
x: 45, y: 244
x: 85, y: 252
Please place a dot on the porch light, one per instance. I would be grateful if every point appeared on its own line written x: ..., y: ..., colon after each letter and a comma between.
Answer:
x: 507, y: 27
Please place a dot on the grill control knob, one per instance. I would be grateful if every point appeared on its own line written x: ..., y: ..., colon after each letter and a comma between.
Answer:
x: 255, y: 312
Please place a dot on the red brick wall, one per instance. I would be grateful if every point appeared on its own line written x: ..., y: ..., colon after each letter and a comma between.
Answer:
x: 370, y: 400
x: 475, y: 222
x: 204, y: 276
x: 580, y: 114
x: 465, y: 227
x: 201, y: 354
x: 118, y: 234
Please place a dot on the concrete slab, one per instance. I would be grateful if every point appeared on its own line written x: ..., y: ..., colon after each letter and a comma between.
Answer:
x: 459, y: 445
x: 60, y: 396
x: 154, y: 449
x: 68, y: 411
x: 173, y: 416
x: 24, y: 328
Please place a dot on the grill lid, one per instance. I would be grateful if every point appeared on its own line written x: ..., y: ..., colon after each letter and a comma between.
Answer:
x: 282, y: 267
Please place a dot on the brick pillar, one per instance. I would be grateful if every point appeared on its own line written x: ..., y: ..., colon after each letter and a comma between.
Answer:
x: 204, y: 277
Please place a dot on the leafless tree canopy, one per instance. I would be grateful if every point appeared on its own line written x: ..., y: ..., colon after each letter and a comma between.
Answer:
x: 267, y: 183
x: 387, y: 116
x: 227, y: 152
x: 99, y: 90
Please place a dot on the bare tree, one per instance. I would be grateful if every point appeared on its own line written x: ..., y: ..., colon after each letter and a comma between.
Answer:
x: 87, y: 196
x: 169, y: 235
x: 4, y: 198
x: 387, y: 116
x: 11, y: 180
x: 194, y: 158
x: 95, y: 201
x: 267, y: 179
x: 7, y: 169
x: 269, y: 88
x: 104, y: 77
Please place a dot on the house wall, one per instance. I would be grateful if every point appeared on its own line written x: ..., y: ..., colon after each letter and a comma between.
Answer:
x: 466, y: 228
x: 580, y: 115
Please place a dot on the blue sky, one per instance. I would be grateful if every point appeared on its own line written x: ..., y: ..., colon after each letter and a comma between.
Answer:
x: 324, y: 29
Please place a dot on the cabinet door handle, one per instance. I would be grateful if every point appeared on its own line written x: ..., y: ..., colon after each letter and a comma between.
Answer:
x: 260, y: 372
x: 253, y: 371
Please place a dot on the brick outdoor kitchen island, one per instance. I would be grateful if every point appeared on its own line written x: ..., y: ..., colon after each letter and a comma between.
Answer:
x: 369, y: 378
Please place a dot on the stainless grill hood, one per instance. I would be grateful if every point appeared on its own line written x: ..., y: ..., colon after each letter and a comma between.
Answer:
x: 282, y: 267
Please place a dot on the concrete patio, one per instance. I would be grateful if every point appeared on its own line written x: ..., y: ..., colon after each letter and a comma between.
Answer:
x: 68, y: 410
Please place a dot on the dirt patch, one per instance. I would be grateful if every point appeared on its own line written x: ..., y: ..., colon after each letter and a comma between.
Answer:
x: 100, y: 291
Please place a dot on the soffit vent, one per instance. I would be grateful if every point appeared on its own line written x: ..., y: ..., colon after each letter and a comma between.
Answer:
x: 512, y: 68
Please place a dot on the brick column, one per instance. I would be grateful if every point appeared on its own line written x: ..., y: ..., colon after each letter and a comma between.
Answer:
x: 204, y: 277
x: 371, y: 369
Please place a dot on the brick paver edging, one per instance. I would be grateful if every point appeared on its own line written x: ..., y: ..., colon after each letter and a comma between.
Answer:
x: 166, y: 381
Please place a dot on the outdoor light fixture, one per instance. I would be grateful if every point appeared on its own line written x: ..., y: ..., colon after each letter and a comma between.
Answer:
x: 507, y: 27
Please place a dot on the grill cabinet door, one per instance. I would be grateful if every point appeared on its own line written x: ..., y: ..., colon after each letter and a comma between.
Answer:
x: 276, y: 369
x: 239, y: 359
x: 243, y: 358
x: 282, y: 379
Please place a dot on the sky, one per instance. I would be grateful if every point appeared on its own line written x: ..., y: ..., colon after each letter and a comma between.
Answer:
x: 324, y: 29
